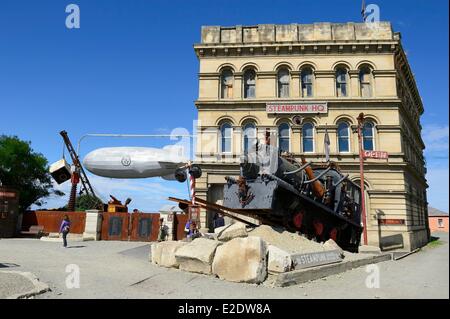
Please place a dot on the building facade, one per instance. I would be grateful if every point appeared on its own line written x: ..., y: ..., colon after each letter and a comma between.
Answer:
x: 437, y: 220
x: 258, y: 78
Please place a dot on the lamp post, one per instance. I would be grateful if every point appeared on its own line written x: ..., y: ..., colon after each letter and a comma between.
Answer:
x: 361, y: 173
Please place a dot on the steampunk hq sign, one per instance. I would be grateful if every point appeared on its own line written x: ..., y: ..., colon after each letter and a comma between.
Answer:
x: 297, y: 108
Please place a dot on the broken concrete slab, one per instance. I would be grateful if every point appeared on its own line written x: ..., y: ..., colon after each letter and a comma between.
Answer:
x: 234, y: 231
x: 330, y: 244
x: 314, y: 259
x: 278, y: 260
x: 241, y: 260
x: 163, y: 253
x: 366, y: 249
x: 351, y: 261
x: 219, y: 230
x: 197, y: 256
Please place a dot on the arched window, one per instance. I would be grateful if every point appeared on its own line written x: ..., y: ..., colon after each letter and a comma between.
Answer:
x: 365, y: 81
x: 343, y: 137
x: 368, y: 144
x: 226, y: 133
x: 341, y: 81
x: 306, y: 77
x: 249, y: 137
x: 283, y: 82
x: 308, y: 137
x: 283, y: 137
x: 249, y: 84
x: 226, y: 84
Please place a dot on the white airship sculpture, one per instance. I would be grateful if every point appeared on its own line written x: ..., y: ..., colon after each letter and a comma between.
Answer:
x: 140, y: 162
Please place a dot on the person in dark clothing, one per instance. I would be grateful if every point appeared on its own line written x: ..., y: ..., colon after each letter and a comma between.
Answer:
x: 219, y: 221
x: 65, y: 229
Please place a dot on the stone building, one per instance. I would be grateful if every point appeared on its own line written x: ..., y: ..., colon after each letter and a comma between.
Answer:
x: 257, y: 78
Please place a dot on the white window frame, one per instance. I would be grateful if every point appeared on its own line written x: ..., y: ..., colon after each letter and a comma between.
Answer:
x: 221, y: 151
x: 278, y: 135
x: 313, y: 139
x: 373, y: 135
x: 243, y: 134
x: 349, y: 138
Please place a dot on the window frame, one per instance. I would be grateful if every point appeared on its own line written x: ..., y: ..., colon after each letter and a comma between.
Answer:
x: 222, y: 84
x: 369, y: 82
x: 347, y: 80
x: 302, y: 83
x: 312, y: 138
x: 222, y: 138
x: 288, y: 71
x: 348, y: 138
x: 372, y: 137
x: 289, y: 137
x: 255, y: 138
x: 245, y: 85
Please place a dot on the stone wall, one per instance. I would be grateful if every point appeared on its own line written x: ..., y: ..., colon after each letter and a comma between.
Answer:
x: 324, y: 31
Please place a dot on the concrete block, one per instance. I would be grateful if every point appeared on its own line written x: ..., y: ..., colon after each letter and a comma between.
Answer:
x: 241, y: 260
x: 366, y: 249
x: 278, y: 260
x: 163, y: 253
x: 234, y: 231
x: 197, y: 256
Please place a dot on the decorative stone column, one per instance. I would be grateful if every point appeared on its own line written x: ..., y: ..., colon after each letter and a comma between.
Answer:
x: 93, y: 225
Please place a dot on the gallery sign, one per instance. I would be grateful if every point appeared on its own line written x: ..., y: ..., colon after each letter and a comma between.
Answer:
x: 375, y: 154
x: 297, y: 107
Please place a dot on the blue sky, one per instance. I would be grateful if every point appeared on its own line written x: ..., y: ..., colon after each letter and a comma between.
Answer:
x: 112, y: 74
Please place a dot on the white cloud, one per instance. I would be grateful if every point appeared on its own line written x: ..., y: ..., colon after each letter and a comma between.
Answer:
x: 435, y: 137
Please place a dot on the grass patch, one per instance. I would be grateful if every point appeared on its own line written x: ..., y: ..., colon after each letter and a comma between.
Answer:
x: 435, y: 243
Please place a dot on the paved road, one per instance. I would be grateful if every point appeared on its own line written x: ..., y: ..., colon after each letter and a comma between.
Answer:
x: 111, y: 269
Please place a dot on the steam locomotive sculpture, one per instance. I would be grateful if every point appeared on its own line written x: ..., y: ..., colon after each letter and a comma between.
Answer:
x: 319, y: 202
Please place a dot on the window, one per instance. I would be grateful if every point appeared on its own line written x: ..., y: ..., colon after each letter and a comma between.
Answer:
x: 343, y: 137
x: 341, y: 82
x: 226, y: 132
x: 368, y: 136
x: 308, y: 137
x: 440, y: 223
x: 226, y: 82
x: 365, y: 81
x: 283, y: 83
x: 249, y: 84
x: 283, y: 137
x: 306, y: 76
x: 249, y: 137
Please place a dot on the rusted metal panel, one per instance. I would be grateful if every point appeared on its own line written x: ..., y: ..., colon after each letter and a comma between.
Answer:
x: 51, y: 220
x: 180, y: 221
x: 115, y: 226
x: 144, y: 226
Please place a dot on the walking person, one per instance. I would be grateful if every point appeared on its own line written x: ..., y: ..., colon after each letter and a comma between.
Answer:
x: 163, y: 230
x: 65, y: 229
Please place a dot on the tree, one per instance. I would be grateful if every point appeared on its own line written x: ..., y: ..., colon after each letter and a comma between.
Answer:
x: 84, y: 202
x: 25, y: 170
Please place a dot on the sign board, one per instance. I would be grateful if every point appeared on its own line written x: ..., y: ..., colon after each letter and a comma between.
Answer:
x: 391, y: 221
x: 308, y: 260
x: 297, y: 107
x: 375, y: 154
x: 194, y: 213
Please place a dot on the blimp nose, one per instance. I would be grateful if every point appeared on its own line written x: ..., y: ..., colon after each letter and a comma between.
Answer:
x: 90, y: 160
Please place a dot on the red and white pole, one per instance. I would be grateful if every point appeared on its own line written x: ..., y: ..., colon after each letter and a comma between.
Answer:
x: 192, y: 187
x: 361, y: 173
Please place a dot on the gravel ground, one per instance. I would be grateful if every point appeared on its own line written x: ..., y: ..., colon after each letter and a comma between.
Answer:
x: 111, y: 269
x: 11, y: 284
x: 287, y: 241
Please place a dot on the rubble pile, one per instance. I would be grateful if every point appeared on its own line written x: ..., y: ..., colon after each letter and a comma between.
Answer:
x: 235, y: 253
x: 287, y: 241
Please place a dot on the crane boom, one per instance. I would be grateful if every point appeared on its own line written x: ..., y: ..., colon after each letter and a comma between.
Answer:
x: 75, y: 160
